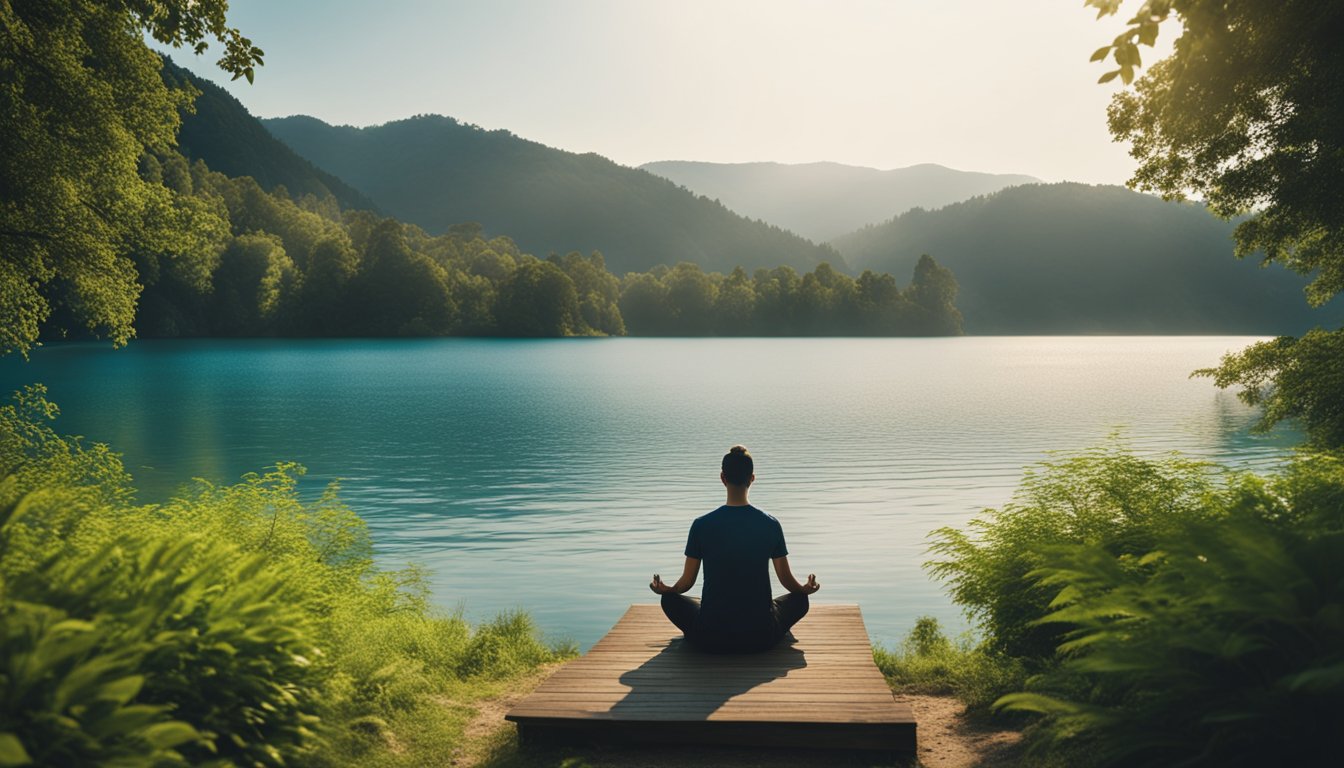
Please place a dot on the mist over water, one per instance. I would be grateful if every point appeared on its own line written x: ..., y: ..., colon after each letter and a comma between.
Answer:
x: 557, y: 476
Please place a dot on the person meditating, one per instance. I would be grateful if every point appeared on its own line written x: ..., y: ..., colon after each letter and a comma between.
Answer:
x: 736, y: 613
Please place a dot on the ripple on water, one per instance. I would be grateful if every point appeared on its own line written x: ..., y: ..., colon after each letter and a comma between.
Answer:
x: 557, y: 476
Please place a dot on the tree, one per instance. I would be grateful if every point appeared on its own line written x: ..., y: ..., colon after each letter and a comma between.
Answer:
x: 690, y: 294
x: 252, y: 286
x: 72, y: 202
x: 934, y: 291
x: 400, y: 292
x: 735, y: 305
x: 645, y: 306
x: 538, y: 299
x: 1246, y: 113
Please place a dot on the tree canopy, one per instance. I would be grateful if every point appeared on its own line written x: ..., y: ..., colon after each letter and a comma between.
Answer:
x: 1246, y: 113
x: 72, y: 202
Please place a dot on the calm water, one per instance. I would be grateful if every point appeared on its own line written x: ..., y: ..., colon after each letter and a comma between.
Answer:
x: 556, y: 476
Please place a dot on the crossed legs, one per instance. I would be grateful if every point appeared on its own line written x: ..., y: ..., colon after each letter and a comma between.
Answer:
x: 787, y: 610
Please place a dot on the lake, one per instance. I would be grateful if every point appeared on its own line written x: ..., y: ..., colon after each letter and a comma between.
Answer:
x: 558, y: 475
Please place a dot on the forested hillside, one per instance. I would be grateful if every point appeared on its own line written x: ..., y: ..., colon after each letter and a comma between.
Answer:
x: 259, y: 263
x: 825, y: 200
x: 220, y: 131
x: 1073, y: 258
x: 436, y: 172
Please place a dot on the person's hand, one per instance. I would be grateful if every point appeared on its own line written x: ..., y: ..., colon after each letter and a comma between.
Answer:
x: 658, y: 586
x: 811, y: 585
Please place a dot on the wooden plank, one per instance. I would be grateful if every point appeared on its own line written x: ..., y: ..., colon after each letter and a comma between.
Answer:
x: 641, y: 684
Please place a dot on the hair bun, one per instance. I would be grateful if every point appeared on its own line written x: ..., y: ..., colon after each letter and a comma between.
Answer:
x: 738, y: 449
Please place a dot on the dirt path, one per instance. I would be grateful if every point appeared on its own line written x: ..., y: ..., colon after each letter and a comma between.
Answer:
x: 947, y: 739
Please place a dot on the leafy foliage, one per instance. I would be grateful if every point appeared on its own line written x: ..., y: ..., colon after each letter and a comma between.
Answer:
x: 1291, y: 378
x: 1224, y: 646
x: 82, y: 100
x: 1260, y: 68
x: 928, y: 662
x: 236, y: 624
x: 1244, y: 113
x: 1171, y: 615
x: 1107, y: 497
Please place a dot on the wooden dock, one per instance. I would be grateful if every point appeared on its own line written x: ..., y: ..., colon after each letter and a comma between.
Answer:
x: 641, y: 684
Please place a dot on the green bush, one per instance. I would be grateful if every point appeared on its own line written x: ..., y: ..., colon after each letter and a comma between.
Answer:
x: 1170, y: 614
x: 234, y: 624
x: 1225, y: 648
x: 1107, y: 497
x: 928, y: 662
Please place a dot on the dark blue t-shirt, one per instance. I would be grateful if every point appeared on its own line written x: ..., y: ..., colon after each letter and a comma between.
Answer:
x: 735, y: 546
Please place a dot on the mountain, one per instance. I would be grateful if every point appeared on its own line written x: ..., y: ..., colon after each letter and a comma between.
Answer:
x: 230, y: 140
x: 825, y: 200
x: 1073, y: 258
x: 436, y: 172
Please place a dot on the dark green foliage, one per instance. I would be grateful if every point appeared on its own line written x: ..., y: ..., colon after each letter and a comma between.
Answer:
x: 219, y: 131
x: 1171, y: 615
x: 1298, y: 379
x: 82, y: 101
x: 267, y: 265
x: 1106, y: 497
x: 435, y: 172
x: 1244, y: 113
x: 684, y: 301
x: 1073, y: 258
x: 233, y: 623
x: 538, y: 299
x: 1223, y: 646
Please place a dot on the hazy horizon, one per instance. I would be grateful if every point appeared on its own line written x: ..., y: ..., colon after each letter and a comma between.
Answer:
x: 965, y: 84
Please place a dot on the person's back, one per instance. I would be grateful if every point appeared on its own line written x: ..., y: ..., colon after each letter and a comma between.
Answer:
x: 736, y: 545
x: 736, y: 542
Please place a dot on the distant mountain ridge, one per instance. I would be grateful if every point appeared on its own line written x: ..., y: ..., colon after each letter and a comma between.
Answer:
x: 230, y: 140
x: 822, y: 201
x: 1074, y: 258
x: 436, y: 172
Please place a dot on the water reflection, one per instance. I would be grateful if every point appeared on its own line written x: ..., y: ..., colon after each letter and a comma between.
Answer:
x: 524, y: 473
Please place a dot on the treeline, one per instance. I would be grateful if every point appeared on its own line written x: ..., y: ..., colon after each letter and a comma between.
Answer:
x: 685, y: 301
x: 247, y: 262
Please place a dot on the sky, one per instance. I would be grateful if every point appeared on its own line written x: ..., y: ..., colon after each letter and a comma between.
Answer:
x: 1001, y: 86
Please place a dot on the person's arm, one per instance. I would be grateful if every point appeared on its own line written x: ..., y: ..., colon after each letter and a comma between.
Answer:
x: 689, y: 573
x: 786, y: 578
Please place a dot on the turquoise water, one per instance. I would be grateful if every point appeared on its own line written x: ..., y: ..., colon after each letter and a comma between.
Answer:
x: 556, y: 476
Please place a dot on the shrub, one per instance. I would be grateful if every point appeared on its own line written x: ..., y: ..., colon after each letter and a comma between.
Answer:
x: 1106, y: 497
x: 928, y: 662
x: 1171, y: 614
x: 233, y: 623
x: 1226, y: 648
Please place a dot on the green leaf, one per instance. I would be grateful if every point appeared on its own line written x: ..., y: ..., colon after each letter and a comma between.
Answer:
x: 1100, y: 53
x: 170, y: 734
x: 12, y: 751
x: 121, y: 691
x: 1108, y: 77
